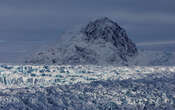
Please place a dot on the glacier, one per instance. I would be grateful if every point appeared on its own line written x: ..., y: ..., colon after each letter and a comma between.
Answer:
x: 12, y: 76
x: 86, y: 87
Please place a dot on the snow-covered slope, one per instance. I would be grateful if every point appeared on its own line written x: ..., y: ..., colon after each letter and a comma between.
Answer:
x: 100, y: 42
x: 86, y: 87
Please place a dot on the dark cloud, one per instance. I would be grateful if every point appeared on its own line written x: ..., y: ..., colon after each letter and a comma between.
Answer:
x: 44, y: 20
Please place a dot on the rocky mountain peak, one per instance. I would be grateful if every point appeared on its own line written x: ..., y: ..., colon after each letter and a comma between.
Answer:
x: 100, y: 28
x: 110, y: 31
x: 101, y: 41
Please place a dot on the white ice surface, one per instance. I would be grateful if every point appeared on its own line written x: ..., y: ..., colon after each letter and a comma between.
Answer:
x: 19, y: 76
x: 88, y: 87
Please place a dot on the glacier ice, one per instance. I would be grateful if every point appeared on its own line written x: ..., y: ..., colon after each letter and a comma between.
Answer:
x: 44, y: 75
x: 87, y: 87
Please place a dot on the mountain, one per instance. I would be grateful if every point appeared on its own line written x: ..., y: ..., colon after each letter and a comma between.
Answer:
x: 101, y: 41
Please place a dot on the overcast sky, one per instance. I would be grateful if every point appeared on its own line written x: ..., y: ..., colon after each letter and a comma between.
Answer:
x: 28, y: 24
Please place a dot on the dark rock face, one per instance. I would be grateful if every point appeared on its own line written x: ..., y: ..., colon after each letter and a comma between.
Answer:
x: 110, y: 31
x: 100, y: 42
x: 81, y: 56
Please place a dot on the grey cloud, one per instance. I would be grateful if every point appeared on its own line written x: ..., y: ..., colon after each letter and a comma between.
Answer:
x: 155, y: 43
x: 45, y: 20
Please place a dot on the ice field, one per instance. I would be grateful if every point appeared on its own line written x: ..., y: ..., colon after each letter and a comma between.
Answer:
x: 87, y: 87
x: 17, y: 76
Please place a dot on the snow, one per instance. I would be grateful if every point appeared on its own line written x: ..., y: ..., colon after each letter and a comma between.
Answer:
x: 87, y: 87
x: 12, y: 76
